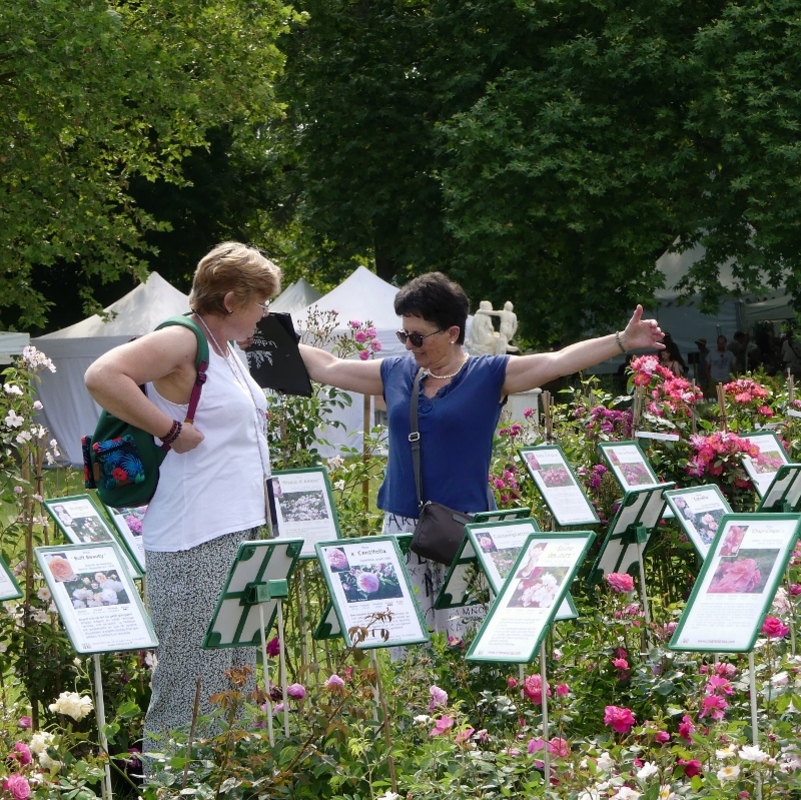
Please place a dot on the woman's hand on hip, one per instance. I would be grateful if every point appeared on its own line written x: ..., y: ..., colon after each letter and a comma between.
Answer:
x: 189, y: 438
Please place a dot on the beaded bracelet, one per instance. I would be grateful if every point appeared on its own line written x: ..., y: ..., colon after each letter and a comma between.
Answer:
x: 175, y: 432
x: 619, y: 343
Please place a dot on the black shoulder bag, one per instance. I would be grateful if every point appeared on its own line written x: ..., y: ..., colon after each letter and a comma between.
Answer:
x: 440, y: 530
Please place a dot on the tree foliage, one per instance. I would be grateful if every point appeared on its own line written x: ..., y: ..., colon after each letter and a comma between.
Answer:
x: 96, y: 94
x: 547, y: 152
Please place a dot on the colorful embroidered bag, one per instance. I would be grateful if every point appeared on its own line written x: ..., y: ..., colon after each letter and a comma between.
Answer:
x: 122, y: 461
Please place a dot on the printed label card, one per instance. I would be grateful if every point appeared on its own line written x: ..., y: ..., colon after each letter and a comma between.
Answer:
x: 366, y: 578
x: 257, y: 580
x: 558, y: 485
x: 302, y: 507
x: 699, y: 511
x: 82, y: 522
x: 464, y: 583
x: 9, y: 588
x: 96, y: 598
x: 498, y: 546
x: 763, y: 468
x: 784, y: 492
x: 737, y: 584
x: 128, y: 522
x: 628, y: 464
x: 529, y: 599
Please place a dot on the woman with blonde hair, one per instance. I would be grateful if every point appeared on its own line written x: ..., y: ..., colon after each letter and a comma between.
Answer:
x: 210, y: 495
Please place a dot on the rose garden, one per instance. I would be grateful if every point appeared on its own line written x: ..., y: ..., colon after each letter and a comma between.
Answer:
x: 627, y: 716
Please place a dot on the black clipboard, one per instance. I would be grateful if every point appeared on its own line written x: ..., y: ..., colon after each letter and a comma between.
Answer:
x: 274, y: 359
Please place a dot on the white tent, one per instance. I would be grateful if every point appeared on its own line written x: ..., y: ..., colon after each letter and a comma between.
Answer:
x: 68, y: 410
x: 362, y: 297
x: 12, y: 344
x: 295, y: 297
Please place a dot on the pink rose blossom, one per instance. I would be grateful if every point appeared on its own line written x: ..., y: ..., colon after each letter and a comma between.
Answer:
x: 511, y: 683
x: 439, y: 698
x: 443, y: 724
x: 773, y: 628
x: 464, y: 736
x: 18, y: 786
x: 620, y: 582
x: 661, y: 737
x: 24, y: 722
x: 562, y: 690
x: 691, y: 767
x: 364, y: 355
x: 296, y: 691
x: 619, y: 719
x: 532, y: 689
x: 22, y: 753
x: 686, y: 728
x: 334, y: 682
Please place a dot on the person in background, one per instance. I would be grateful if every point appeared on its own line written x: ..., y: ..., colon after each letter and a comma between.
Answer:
x: 675, y: 353
x: 721, y: 363
x: 210, y: 495
x: 791, y: 354
x: 667, y: 360
x: 703, y: 352
x: 737, y: 346
x: 459, y: 403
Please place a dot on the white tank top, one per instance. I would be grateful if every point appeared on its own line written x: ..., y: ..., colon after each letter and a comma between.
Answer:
x: 218, y: 487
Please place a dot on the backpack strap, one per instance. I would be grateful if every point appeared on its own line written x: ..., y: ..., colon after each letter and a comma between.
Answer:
x: 201, y: 362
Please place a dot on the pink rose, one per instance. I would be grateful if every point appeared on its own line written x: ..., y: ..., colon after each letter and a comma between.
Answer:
x: 364, y: 355
x: 619, y: 719
x: 620, y: 582
x: 773, y: 628
x: 24, y: 722
x: 439, y: 698
x: 18, y: 786
x: 443, y: 724
x: 691, y: 767
x: 661, y: 737
x: 22, y: 753
x: 686, y: 728
x: 296, y: 691
x: 532, y: 689
x: 334, y: 682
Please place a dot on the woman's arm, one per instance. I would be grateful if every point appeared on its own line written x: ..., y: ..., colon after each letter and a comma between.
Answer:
x: 167, y: 357
x: 528, y: 372
x: 354, y: 376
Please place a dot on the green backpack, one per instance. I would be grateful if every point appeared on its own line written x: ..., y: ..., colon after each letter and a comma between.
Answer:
x: 122, y: 461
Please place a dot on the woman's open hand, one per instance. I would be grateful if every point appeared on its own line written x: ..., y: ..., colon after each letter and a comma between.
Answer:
x: 641, y: 334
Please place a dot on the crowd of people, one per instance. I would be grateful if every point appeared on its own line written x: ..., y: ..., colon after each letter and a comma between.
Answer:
x: 728, y: 359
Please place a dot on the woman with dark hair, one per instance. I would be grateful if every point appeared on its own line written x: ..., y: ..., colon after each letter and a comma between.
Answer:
x: 459, y: 404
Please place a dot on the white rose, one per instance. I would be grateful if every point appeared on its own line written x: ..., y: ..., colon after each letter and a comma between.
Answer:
x: 72, y: 704
x: 649, y: 769
x: 40, y: 741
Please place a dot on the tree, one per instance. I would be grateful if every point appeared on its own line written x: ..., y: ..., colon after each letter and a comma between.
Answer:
x: 546, y: 152
x: 96, y: 94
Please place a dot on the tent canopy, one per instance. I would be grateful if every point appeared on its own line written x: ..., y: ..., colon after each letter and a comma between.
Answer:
x: 12, y: 344
x: 139, y: 311
x: 68, y: 410
x: 295, y: 297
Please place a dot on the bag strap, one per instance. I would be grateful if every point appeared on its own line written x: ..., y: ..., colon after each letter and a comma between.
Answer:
x: 201, y: 363
x: 414, y: 436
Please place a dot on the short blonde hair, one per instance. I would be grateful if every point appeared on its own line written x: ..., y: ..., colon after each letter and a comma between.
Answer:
x: 232, y: 267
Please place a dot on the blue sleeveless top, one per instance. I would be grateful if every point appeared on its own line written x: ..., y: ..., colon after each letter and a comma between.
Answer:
x: 456, y: 432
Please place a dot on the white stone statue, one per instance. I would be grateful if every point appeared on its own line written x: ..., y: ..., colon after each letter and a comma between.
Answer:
x: 482, y: 339
x: 508, y: 322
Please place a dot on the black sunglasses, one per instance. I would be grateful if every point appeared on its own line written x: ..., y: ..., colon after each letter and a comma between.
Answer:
x: 415, y: 338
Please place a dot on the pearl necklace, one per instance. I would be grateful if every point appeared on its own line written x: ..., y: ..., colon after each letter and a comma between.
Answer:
x: 259, y: 422
x: 427, y: 373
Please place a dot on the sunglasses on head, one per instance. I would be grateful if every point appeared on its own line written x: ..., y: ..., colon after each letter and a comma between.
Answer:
x: 415, y: 338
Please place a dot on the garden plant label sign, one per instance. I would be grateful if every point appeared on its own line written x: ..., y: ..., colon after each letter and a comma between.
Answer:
x: 737, y: 583
x: 699, y: 511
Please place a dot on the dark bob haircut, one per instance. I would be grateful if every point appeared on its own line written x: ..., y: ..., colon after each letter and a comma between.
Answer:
x: 435, y: 298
